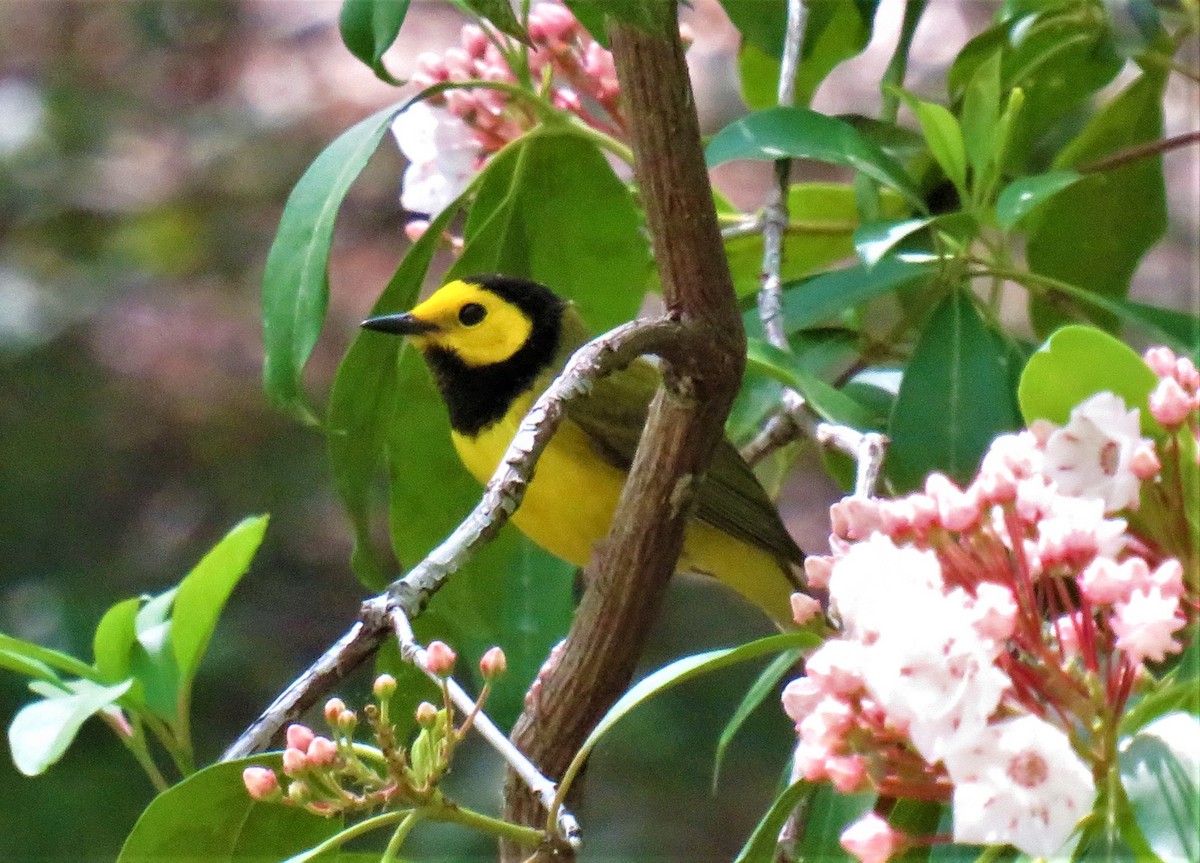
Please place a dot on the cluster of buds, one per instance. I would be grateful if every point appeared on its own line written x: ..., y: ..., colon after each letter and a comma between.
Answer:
x: 336, y: 775
x: 991, y: 635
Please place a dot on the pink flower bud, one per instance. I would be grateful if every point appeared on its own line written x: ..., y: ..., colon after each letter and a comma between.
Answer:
x: 809, y: 762
x: 1169, y: 404
x: 1168, y: 579
x: 800, y: 697
x: 848, y: 773
x: 322, y: 751
x: 1161, y: 361
x: 299, y: 736
x: 855, y: 518
x: 804, y: 608
x: 294, y: 761
x: 1187, y: 374
x: 347, y: 720
x: 415, y: 229
x: 817, y: 570
x: 551, y: 23
x: 474, y: 41
x: 384, y: 687
x: 1144, y: 462
x: 333, y: 710
x: 261, y: 783
x: 871, y: 839
x: 440, y: 659
x: 493, y: 663
x: 426, y: 714
x: 459, y: 64
x: 994, y: 611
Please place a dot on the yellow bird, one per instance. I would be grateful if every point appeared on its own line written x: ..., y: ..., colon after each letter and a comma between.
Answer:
x: 493, y: 344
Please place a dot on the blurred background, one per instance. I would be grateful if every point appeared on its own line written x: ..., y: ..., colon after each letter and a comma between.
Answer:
x: 146, y: 150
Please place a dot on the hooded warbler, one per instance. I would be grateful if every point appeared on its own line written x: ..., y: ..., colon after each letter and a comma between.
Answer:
x: 493, y: 344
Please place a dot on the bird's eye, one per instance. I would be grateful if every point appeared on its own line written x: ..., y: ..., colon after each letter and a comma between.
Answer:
x: 471, y: 314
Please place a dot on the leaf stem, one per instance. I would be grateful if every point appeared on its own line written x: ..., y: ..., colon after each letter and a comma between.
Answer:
x: 354, y: 831
x: 893, y: 77
x: 444, y: 810
x: 1141, y: 151
x: 391, y: 854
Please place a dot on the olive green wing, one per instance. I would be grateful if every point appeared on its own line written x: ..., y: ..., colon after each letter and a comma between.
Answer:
x: 731, y: 499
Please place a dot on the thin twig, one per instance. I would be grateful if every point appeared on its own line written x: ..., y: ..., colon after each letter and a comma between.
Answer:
x: 545, y: 789
x: 1140, y: 151
x: 866, y: 448
x: 503, y: 494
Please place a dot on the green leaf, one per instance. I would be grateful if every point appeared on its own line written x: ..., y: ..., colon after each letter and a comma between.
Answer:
x: 827, y: 296
x: 828, y: 814
x: 874, y: 240
x: 682, y: 670
x: 945, y: 140
x: 1076, y: 363
x: 762, y: 845
x: 763, y: 686
x: 41, y: 732
x: 829, y: 402
x: 956, y: 396
x: 800, y: 133
x: 114, y: 639
x: 203, y: 593
x: 1025, y: 194
x: 28, y: 667
x: 209, y: 818
x: 35, y: 653
x: 153, y: 658
x: 1094, y: 233
x: 365, y: 397
x: 296, y: 280
x: 500, y: 14
x: 1160, y: 766
x: 369, y: 27
x: 980, y: 116
x: 1181, y: 328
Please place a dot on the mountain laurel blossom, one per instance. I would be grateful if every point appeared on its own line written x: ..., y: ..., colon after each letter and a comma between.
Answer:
x: 990, y: 635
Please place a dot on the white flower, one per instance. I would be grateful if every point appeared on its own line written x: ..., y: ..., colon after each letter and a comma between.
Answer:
x: 877, y: 583
x: 1145, y: 624
x: 443, y: 157
x: 1091, y: 455
x: 1019, y: 782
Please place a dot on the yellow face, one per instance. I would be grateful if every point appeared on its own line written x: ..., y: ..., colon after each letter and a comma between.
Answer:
x: 478, y: 326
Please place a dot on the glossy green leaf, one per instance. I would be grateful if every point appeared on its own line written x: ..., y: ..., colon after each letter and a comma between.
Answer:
x: 1094, y: 233
x: 683, y: 670
x: 762, y: 846
x: 296, y: 280
x: 762, y: 687
x: 203, y: 592
x: 369, y: 27
x: 956, y: 396
x: 827, y: 815
x: 916, y: 818
x: 825, y: 297
x: 874, y: 240
x: 54, y: 659
x: 500, y: 14
x: 799, y: 133
x: 826, y: 400
x: 114, y: 639
x: 41, y: 732
x: 365, y: 397
x: 945, y: 140
x: 1181, y: 329
x: 153, y: 658
x: 1160, y: 771
x: 1025, y: 194
x: 1076, y: 363
x: 980, y: 117
x: 209, y: 818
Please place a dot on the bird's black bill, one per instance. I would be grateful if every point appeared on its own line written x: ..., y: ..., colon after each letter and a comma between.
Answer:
x: 400, y: 325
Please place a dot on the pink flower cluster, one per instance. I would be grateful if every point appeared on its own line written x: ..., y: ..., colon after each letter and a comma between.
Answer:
x: 1176, y: 399
x: 986, y: 631
x: 449, y: 136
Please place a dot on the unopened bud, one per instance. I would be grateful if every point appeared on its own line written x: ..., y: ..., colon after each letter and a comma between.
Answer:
x: 346, y: 720
x: 1144, y: 462
x: 1170, y: 403
x: 385, y: 687
x: 415, y: 229
x: 440, y: 659
x: 804, y: 608
x: 321, y: 752
x: 426, y: 714
x: 333, y: 711
x: 1161, y: 361
x: 294, y: 761
x: 261, y: 783
x: 299, y: 736
x: 493, y: 663
x: 299, y: 792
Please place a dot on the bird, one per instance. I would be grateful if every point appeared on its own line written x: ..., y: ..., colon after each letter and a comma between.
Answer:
x: 493, y: 343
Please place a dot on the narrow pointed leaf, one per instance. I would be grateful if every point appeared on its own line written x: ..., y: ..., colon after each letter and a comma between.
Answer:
x: 41, y: 732
x: 830, y: 403
x: 114, y: 639
x: 762, y: 687
x: 762, y: 846
x: 800, y: 133
x: 296, y: 280
x: 1025, y: 194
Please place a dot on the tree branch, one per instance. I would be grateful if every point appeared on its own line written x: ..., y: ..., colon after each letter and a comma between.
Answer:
x: 630, y: 569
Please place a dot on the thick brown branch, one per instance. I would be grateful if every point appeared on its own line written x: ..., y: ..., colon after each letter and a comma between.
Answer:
x: 630, y: 569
